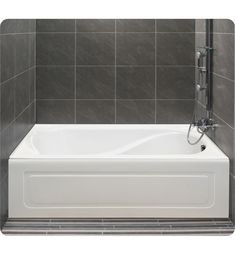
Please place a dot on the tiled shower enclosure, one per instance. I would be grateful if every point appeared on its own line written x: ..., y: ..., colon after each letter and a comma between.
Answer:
x: 111, y: 71
x: 115, y: 71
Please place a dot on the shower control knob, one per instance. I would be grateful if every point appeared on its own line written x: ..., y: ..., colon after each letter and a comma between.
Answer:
x: 199, y: 87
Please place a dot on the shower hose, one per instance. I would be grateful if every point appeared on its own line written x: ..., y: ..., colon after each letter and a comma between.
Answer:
x: 192, y: 124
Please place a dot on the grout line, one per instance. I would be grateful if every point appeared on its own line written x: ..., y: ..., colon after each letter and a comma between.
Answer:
x: 17, y: 116
x: 75, y: 74
x: 23, y: 33
x: 222, y: 33
x: 168, y: 66
x: 223, y: 120
x: 123, y: 99
x: 115, y: 72
x: 16, y: 75
x: 221, y: 76
x: 118, y: 32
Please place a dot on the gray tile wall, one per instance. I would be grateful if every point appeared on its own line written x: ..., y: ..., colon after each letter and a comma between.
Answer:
x: 223, y: 94
x: 115, y: 71
x: 223, y: 91
x: 17, y: 89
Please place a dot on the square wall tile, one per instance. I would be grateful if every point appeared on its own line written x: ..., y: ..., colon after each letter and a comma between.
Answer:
x: 135, y: 82
x: 22, y: 92
x: 135, y: 112
x: 175, y: 82
x: 55, y: 25
x: 200, y: 110
x: 175, y: 25
x: 55, y: 82
x: 18, y: 26
x: 7, y: 146
x: 200, y: 40
x: 23, y: 52
x: 8, y: 51
x: 4, y: 198
x: 135, y: 49
x: 95, y: 111
x: 223, y: 99
x: 7, y: 103
x: 223, y: 55
x: 55, y: 49
x: 135, y: 25
x: 223, y: 26
x: 95, y: 82
x: 32, y: 82
x: 55, y: 111
x: 174, y: 111
x: 95, y: 25
x: 95, y: 49
x: 200, y: 25
x: 175, y: 48
x: 223, y: 137
x: 233, y: 197
x: 22, y: 124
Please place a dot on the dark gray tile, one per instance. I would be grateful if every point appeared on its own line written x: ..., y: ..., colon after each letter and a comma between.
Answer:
x: 4, y: 199
x: 7, y: 56
x: 22, y: 125
x: 175, y: 49
x: 200, y: 40
x: 55, y: 25
x: 135, y: 49
x: 200, y: 25
x: 200, y: 111
x: 135, y: 25
x: 18, y: 54
x: 7, y: 103
x: 224, y: 55
x: 175, y: 82
x: 55, y: 49
x: 32, y: 82
x: 33, y: 113
x: 95, y: 49
x: 222, y: 136
x: 18, y: 26
x: 95, y: 82
x: 135, y: 111
x: 232, y: 196
x: 55, y: 82
x: 175, y: 25
x: 95, y: 25
x: 174, y: 111
x: 223, y: 26
x: 22, y: 92
x: 32, y: 50
x: 22, y: 52
x: 223, y: 99
x: 135, y: 83
x: 95, y: 111
x: 55, y: 111
x: 7, y: 146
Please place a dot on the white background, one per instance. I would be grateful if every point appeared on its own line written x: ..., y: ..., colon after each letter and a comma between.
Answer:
x: 120, y: 245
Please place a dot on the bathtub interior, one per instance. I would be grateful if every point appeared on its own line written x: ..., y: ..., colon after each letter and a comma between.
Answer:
x: 74, y: 141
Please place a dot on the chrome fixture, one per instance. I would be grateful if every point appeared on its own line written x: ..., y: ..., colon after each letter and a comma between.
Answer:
x: 203, y: 125
x: 204, y: 83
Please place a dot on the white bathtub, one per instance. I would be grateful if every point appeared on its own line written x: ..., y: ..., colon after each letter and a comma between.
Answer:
x: 117, y: 171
